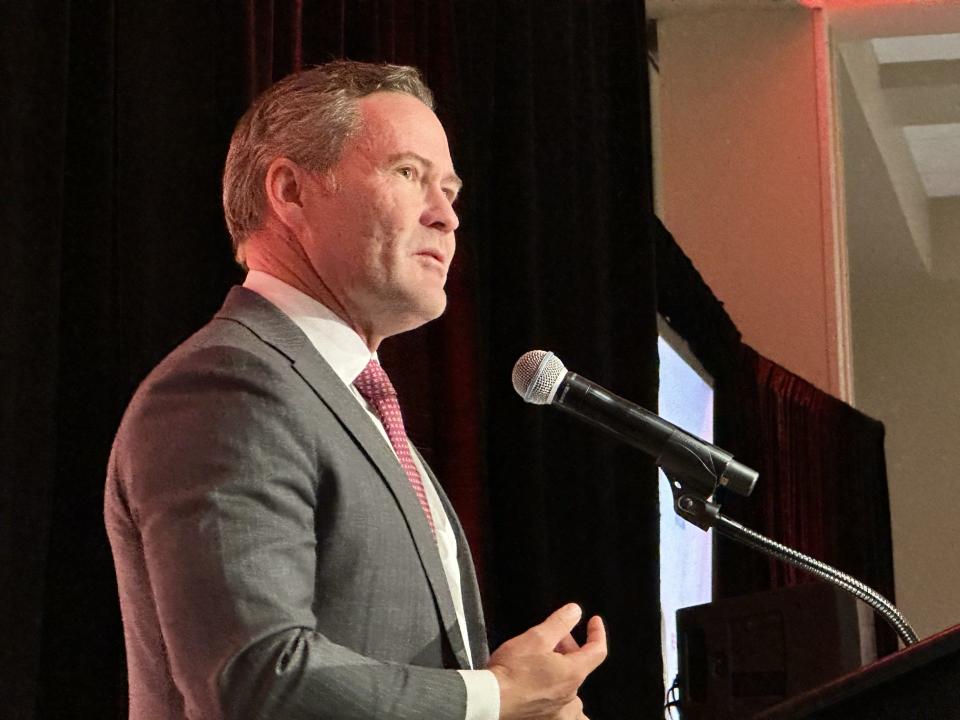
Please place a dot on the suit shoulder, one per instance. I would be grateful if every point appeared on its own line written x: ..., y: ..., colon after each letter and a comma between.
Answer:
x: 220, y: 350
x: 223, y: 367
x: 224, y: 341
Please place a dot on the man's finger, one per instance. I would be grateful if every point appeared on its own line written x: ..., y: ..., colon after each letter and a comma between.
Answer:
x: 596, y: 632
x: 594, y: 650
x: 556, y: 627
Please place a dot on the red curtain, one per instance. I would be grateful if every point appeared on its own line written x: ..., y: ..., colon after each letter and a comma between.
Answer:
x: 823, y: 487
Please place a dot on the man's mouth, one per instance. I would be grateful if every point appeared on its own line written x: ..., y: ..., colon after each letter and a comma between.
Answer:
x: 433, y: 255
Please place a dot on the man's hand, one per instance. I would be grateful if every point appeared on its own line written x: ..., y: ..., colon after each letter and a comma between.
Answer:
x: 541, y: 670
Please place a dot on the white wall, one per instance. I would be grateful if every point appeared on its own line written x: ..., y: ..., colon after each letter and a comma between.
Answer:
x: 740, y: 182
x: 906, y: 367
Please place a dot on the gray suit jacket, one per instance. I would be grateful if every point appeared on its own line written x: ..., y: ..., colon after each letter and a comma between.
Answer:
x: 272, y: 559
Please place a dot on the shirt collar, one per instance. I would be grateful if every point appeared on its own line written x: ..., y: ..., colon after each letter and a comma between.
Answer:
x: 338, y: 343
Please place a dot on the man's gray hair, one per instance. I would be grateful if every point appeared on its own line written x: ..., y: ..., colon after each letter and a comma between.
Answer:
x: 306, y: 117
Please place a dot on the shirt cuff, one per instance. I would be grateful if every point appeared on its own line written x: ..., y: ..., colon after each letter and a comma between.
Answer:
x: 483, y: 694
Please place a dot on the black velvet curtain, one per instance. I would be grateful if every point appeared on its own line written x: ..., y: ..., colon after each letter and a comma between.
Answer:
x: 823, y: 484
x: 559, y: 105
x: 115, y: 122
x: 115, y: 119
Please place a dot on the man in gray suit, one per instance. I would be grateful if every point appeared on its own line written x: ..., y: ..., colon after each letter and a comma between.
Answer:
x: 281, y: 549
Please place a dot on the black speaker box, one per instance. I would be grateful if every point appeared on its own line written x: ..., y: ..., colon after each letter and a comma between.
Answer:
x: 740, y: 655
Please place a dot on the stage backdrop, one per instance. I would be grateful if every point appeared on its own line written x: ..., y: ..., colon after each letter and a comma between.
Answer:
x: 116, y: 118
x: 115, y: 122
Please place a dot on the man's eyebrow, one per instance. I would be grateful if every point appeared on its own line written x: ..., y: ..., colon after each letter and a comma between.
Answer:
x: 451, y: 178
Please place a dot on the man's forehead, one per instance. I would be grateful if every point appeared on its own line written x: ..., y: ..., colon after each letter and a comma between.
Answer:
x: 390, y: 107
x: 398, y: 124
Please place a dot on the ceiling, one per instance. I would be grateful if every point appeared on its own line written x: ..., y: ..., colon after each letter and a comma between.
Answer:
x: 904, y: 63
x: 903, y: 57
x: 664, y: 8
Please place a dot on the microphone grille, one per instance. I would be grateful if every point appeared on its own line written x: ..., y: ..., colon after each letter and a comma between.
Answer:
x: 536, y: 376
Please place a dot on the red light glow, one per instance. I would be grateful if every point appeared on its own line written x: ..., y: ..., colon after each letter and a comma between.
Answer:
x: 844, y: 4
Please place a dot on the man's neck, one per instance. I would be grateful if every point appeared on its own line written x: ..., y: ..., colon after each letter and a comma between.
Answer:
x: 286, y: 261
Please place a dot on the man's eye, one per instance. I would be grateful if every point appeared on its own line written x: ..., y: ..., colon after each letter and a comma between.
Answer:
x: 406, y: 172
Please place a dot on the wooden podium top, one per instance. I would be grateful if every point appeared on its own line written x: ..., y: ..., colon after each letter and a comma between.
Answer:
x: 921, y: 679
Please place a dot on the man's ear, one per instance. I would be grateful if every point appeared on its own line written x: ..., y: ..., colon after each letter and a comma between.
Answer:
x: 284, y: 185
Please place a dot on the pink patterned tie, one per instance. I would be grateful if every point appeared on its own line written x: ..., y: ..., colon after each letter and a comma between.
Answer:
x: 376, y: 387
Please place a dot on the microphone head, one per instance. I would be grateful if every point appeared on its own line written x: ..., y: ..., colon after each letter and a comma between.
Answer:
x: 537, y: 375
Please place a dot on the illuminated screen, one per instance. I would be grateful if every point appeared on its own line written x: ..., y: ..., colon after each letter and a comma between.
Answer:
x: 686, y: 551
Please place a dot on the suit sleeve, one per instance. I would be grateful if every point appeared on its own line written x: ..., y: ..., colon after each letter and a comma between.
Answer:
x: 221, y: 477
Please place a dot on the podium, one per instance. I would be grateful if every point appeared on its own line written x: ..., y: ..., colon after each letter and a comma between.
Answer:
x: 918, y: 682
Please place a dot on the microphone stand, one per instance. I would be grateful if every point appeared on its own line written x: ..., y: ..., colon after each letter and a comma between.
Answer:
x: 705, y: 514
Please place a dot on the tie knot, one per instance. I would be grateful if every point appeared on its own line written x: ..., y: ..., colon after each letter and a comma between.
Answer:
x: 373, y: 383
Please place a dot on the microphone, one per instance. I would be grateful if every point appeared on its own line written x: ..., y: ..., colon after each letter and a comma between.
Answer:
x: 540, y: 378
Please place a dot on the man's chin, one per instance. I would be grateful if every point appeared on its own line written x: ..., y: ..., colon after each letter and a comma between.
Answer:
x: 419, y: 314
x: 431, y: 311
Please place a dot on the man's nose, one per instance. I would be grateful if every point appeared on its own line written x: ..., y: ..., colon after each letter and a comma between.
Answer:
x: 439, y: 213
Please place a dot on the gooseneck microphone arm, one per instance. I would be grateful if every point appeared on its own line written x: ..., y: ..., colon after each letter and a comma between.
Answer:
x: 706, y: 514
x: 694, y: 467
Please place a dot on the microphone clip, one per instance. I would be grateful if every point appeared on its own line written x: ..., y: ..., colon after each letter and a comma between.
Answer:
x: 692, y: 507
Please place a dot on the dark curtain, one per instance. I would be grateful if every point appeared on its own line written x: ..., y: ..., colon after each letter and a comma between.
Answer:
x: 823, y: 484
x: 115, y: 123
x: 115, y: 119
x: 30, y: 228
x: 559, y: 132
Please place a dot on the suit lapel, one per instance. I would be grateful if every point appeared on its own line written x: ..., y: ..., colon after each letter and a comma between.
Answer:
x: 470, y: 591
x: 277, y: 330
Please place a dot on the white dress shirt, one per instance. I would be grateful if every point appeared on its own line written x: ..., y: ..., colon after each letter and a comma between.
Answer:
x: 345, y: 351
